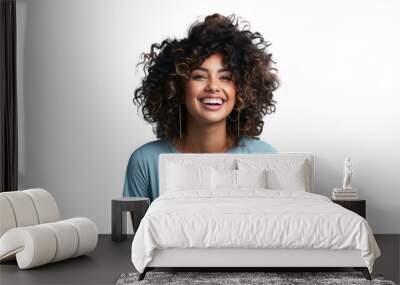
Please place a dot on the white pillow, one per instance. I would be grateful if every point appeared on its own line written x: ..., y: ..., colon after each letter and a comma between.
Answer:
x: 252, y: 178
x: 282, y: 174
x: 223, y: 179
x: 229, y: 179
x: 288, y: 179
x: 181, y: 177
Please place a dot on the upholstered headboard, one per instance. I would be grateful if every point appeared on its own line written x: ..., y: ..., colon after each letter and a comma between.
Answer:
x: 272, y: 161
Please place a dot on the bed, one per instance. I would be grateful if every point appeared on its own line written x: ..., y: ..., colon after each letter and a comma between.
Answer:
x: 245, y: 211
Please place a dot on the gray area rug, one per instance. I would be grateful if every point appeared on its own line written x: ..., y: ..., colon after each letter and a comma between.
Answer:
x: 270, y: 278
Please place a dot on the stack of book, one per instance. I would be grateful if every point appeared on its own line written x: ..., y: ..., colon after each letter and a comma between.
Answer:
x: 344, y: 194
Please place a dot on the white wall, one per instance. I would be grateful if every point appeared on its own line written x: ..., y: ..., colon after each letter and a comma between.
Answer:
x: 338, y: 62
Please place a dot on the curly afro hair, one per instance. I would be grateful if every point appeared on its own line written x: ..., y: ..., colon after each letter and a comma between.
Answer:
x: 170, y: 63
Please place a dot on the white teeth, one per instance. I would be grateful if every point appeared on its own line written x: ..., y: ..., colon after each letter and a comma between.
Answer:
x: 212, y: 100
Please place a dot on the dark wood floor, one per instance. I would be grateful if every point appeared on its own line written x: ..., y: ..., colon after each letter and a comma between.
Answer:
x: 111, y: 259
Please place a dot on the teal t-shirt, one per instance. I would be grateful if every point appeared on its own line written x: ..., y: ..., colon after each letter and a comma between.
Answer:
x: 141, y: 176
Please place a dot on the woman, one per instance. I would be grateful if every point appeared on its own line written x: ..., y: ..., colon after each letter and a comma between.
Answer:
x: 206, y: 93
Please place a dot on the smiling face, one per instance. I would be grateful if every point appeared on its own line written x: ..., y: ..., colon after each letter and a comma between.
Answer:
x: 210, y: 91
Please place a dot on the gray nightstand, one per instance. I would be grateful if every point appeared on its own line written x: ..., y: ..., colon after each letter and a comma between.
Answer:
x: 137, y: 207
x: 357, y: 206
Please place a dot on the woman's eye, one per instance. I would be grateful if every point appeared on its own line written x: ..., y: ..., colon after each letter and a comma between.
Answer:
x: 198, y: 77
x: 226, y: 78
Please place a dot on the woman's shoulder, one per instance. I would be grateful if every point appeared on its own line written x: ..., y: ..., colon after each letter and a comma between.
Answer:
x: 151, y: 149
x: 154, y: 146
x: 257, y: 145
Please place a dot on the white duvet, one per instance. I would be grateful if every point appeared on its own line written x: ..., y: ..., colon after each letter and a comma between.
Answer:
x: 252, y: 218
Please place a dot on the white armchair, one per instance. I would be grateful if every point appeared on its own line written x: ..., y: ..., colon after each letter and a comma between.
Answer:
x: 32, y: 233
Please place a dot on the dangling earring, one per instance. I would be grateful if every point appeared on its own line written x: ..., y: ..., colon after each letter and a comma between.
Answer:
x: 180, y: 122
x: 238, y: 122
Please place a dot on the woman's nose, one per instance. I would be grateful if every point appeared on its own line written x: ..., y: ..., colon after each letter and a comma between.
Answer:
x: 213, y: 86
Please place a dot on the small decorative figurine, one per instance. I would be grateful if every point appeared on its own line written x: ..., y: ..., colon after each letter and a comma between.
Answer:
x: 348, y: 172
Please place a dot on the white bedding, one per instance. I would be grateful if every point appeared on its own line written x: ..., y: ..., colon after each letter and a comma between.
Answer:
x: 251, y: 218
